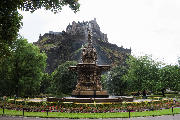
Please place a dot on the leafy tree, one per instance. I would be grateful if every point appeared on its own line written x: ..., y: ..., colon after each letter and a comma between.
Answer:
x: 6, y: 73
x: 104, y: 80
x: 176, y: 78
x: 10, y: 19
x: 26, y: 68
x: 46, y: 83
x: 116, y: 84
x: 29, y: 65
x: 169, y: 78
x: 64, y: 79
x: 142, y: 74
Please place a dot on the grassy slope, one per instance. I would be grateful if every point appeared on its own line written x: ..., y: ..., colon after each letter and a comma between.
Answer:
x: 91, y: 115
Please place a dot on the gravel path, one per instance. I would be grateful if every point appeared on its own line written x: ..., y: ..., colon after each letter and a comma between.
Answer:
x: 165, y: 117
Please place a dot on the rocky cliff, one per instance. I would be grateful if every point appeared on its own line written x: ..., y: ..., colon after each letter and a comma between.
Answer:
x: 66, y: 45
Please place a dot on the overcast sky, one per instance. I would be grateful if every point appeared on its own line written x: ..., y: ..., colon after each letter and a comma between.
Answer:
x: 147, y: 26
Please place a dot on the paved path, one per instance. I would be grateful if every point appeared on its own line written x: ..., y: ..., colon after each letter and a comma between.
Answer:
x: 165, y: 117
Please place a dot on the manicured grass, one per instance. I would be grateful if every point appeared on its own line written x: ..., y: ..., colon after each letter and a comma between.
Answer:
x: 91, y: 115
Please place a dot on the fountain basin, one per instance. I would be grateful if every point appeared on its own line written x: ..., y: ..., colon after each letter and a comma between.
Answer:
x: 91, y: 100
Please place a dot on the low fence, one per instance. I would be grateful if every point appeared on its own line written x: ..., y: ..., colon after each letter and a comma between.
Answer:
x: 44, y: 108
x: 46, y: 113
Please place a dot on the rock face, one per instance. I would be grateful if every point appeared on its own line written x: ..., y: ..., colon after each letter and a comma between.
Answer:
x: 67, y: 45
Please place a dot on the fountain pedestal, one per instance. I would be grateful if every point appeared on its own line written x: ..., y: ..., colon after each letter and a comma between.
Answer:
x: 89, y: 81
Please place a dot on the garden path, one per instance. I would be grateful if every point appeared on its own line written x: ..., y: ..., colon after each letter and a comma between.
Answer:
x: 164, y: 117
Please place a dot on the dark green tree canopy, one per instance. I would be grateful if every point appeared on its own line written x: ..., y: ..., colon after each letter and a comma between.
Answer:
x: 64, y: 79
x: 116, y: 84
x: 21, y: 73
x: 53, y: 5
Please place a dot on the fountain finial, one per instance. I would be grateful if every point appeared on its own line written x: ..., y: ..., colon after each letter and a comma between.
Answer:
x: 89, y: 36
x: 89, y: 54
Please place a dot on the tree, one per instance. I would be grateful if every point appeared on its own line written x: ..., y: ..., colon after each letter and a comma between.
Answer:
x: 46, y: 83
x: 6, y: 73
x: 10, y: 19
x: 26, y: 68
x: 169, y: 78
x: 104, y: 80
x: 64, y: 79
x: 116, y: 84
x: 142, y: 74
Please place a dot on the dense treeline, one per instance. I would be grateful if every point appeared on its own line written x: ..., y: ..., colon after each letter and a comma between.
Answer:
x: 142, y: 75
x: 61, y: 82
x: 21, y: 73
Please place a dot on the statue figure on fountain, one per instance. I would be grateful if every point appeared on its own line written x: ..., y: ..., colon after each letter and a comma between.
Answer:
x: 89, y: 54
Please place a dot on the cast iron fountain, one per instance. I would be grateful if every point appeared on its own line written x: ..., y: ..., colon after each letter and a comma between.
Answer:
x: 89, y: 74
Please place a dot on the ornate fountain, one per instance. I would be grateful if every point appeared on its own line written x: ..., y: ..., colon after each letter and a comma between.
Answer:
x: 89, y: 74
x: 89, y: 88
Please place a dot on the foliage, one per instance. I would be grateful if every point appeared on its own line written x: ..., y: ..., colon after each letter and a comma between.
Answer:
x: 53, y: 5
x: 6, y: 74
x: 46, y: 83
x: 147, y: 74
x: 169, y: 77
x: 64, y: 80
x: 104, y: 79
x: 10, y: 19
x: 179, y: 61
x: 115, y: 83
x: 142, y: 73
x: 25, y: 69
x: 10, y: 23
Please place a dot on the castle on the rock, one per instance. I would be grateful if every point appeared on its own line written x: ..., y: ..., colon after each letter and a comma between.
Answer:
x: 81, y: 29
x: 66, y: 45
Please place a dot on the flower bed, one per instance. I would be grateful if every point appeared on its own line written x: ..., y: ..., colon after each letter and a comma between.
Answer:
x: 89, y: 108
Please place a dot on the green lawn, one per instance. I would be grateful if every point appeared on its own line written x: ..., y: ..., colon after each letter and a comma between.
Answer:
x: 91, y: 115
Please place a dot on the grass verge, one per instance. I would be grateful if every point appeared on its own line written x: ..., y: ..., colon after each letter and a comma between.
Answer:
x: 91, y: 115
